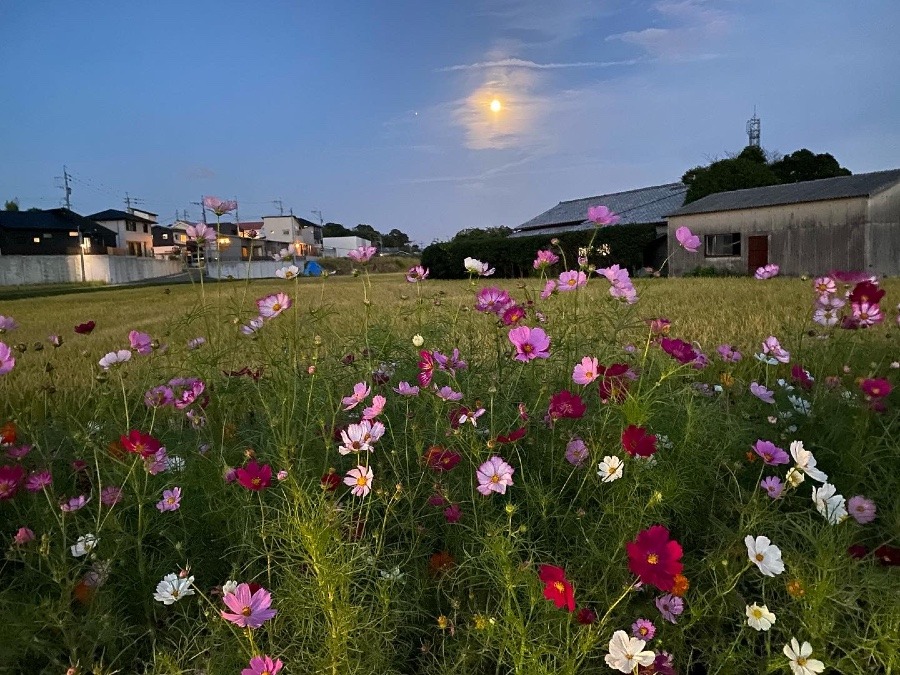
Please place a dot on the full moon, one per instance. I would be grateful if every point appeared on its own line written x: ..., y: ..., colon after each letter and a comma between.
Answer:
x: 496, y: 106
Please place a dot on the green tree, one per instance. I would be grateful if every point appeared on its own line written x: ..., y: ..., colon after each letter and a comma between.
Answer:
x: 336, y: 230
x: 396, y: 239
x: 475, y: 233
x: 805, y: 165
x: 370, y: 233
x: 12, y: 205
x: 736, y: 173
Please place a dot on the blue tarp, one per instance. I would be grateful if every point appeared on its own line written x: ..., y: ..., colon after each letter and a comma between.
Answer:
x: 312, y: 269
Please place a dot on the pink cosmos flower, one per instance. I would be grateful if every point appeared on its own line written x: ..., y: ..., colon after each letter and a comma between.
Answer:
x: 450, y: 363
x: 863, y: 510
x: 530, y: 343
x: 171, y: 500
x: 621, y: 286
x: 377, y: 407
x: 688, y: 240
x: 23, y: 536
x: 110, y: 496
x: 545, y: 259
x: 360, y: 392
x: 18, y: 451
x: 263, y: 665
x: 416, y: 274
x: 156, y: 462
x: 196, y: 343
x: 10, y: 479
x: 360, y: 479
x: 513, y: 315
x: 445, y: 393
x: 770, y: 453
x: 140, y: 342
x: 254, y: 476
x: 471, y: 416
x: 362, y: 255
x: 587, y: 371
x: 253, y: 325
x: 201, y: 233
x: 763, y: 394
x: 494, y: 476
x: 549, y: 289
x: 576, y: 452
x: 273, y: 305
x: 643, y: 629
x: 601, y: 215
x: 38, y: 480
x: 772, y: 486
x: 767, y: 271
x: 186, y: 391
x: 670, y: 606
x: 491, y: 299
x: 406, y: 389
x: 867, y: 314
x: 426, y: 368
x: 453, y: 513
x: 772, y: 347
x: 7, y: 323
x: 74, y: 504
x: 108, y: 361
x: 219, y: 206
x: 159, y: 397
x: 825, y: 285
x: 248, y: 610
x: 571, y: 280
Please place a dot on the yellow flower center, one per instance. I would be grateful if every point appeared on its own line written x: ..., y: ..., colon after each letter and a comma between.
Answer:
x: 256, y: 481
x: 801, y: 661
x: 527, y: 348
x: 571, y: 282
x: 760, y: 557
x: 611, y: 470
x: 653, y: 559
x: 756, y: 612
x: 246, y: 611
x: 362, y: 481
x: 276, y: 307
x: 495, y: 478
x: 558, y: 585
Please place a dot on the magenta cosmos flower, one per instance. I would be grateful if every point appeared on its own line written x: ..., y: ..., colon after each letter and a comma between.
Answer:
x: 248, y: 610
x: 273, y: 305
x: 494, y: 476
x: 263, y: 665
x: 601, y: 215
x: 687, y: 240
x: 544, y: 259
x: 7, y: 362
x: 770, y: 453
x: 530, y: 343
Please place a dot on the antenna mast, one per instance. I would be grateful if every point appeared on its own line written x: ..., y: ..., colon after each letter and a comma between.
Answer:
x: 753, y: 129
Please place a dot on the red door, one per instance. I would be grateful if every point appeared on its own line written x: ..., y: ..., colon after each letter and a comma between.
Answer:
x: 757, y: 252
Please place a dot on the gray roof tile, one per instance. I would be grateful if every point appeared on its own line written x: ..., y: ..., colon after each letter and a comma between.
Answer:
x: 841, y: 187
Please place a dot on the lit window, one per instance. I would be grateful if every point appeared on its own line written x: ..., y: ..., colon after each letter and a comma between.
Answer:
x: 165, y: 236
x: 73, y: 234
x: 36, y: 240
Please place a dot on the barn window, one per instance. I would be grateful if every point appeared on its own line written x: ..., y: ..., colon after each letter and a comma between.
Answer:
x: 723, y: 245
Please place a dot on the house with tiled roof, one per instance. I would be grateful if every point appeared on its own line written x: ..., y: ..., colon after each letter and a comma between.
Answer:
x: 52, y: 232
x: 132, y: 228
x: 846, y: 222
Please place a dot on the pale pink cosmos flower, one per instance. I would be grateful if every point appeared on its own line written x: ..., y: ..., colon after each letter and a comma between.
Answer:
x: 360, y: 479
x: 728, y: 353
x: 571, y: 280
x: 530, y: 343
x: 576, y: 452
x: 491, y: 299
x: 471, y: 417
x: 273, y: 305
x: 360, y: 392
x: 760, y: 392
x: 377, y: 407
x: 767, y: 271
x: 549, y: 289
x: 248, y: 610
x: 587, y: 371
x: 74, y: 504
x: 362, y: 255
x: 495, y: 475
x: 825, y: 317
x: 688, y: 240
x: 447, y: 394
x: 417, y: 274
x: 110, y: 496
x: 621, y: 286
x: 219, y: 206
x: 196, y: 343
x: 111, y: 359
x: 406, y: 389
x: 863, y: 510
x: 867, y: 313
x: 7, y: 362
x: 201, y: 233
x: 157, y: 462
x: 253, y: 326
x: 477, y: 268
x: 360, y: 437
x: 140, y: 342
x: 601, y: 215
x: 171, y: 500
x: 773, y: 347
x: 824, y: 285
x: 7, y: 323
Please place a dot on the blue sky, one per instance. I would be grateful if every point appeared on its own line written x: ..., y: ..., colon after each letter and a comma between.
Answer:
x: 378, y: 112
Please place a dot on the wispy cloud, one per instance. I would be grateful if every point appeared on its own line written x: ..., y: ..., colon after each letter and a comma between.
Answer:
x: 524, y: 63
x: 696, y: 26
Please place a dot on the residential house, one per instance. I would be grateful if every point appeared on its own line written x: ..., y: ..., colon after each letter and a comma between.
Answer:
x: 52, y: 232
x: 648, y: 205
x: 847, y: 223
x: 132, y: 230
x: 303, y: 236
x: 339, y: 247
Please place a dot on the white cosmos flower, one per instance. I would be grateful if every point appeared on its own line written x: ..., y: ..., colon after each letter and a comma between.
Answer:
x: 113, y: 358
x: 610, y: 468
x: 759, y: 617
x: 794, y: 477
x: 800, y: 662
x: 806, y: 463
x: 801, y: 405
x: 288, y: 272
x: 830, y: 504
x: 627, y: 653
x: 229, y: 586
x: 172, y: 588
x: 765, y: 555
x: 84, y: 545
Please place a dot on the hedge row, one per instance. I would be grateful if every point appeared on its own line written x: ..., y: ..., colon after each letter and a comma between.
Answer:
x: 513, y: 257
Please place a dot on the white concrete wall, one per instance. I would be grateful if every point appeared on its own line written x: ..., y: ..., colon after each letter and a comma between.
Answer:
x: 255, y: 269
x: 18, y: 270
x: 343, y: 245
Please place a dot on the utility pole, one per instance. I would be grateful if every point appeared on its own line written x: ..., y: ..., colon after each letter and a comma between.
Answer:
x: 68, y: 197
x: 202, y: 208
x: 280, y: 206
x: 318, y: 212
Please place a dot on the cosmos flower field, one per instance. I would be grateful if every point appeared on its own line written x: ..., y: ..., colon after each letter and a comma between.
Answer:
x: 570, y: 473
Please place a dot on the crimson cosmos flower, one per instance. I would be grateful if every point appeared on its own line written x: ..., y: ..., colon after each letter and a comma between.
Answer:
x: 655, y: 558
x: 637, y: 442
x: 557, y: 588
x: 254, y: 476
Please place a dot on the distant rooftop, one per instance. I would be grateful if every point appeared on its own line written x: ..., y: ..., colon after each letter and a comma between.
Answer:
x: 643, y: 205
x: 51, y: 219
x: 840, y: 187
x: 114, y: 214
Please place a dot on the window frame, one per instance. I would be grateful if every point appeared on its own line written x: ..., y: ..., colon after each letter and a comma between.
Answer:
x: 710, y: 250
